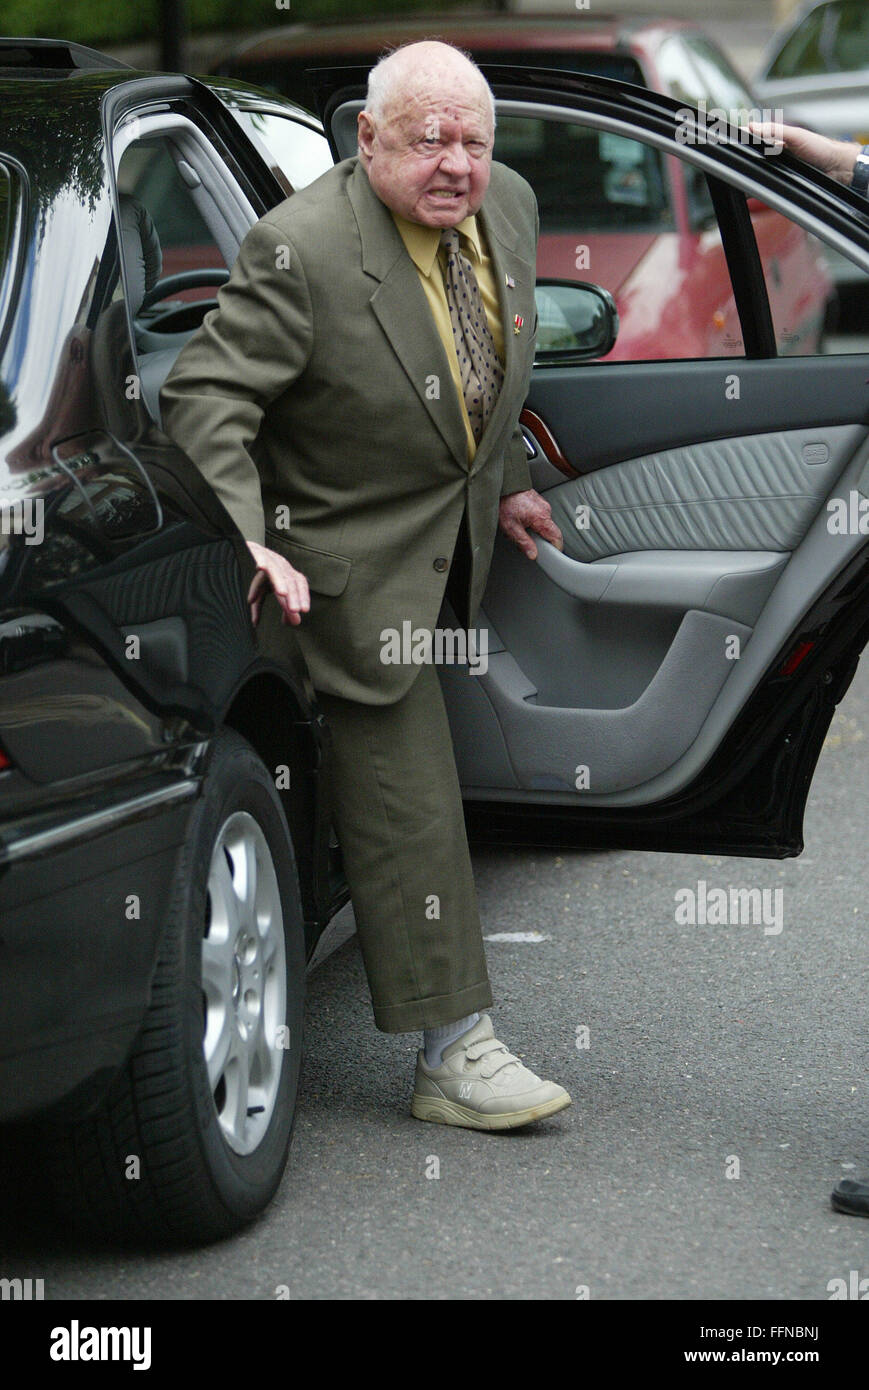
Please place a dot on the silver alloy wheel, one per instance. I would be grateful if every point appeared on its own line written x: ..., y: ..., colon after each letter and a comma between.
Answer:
x: 244, y: 982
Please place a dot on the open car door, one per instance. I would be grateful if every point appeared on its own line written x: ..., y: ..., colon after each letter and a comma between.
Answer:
x: 667, y: 681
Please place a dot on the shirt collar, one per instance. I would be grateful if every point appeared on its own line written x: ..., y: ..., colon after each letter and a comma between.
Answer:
x: 422, y: 242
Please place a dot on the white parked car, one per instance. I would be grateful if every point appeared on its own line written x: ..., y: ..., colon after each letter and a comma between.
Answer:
x: 816, y: 69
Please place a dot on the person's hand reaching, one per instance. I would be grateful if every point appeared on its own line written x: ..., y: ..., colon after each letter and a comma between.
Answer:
x: 833, y: 157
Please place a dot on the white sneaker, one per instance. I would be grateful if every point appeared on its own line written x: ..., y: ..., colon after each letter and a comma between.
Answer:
x: 481, y: 1085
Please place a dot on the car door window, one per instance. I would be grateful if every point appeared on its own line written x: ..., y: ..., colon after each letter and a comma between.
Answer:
x: 803, y: 53
x: 677, y: 73
x: 832, y: 38
x: 181, y: 219
x: 149, y: 174
x: 818, y: 299
x: 613, y: 181
x: 295, y: 152
x: 720, y: 82
x: 643, y: 225
x: 850, y: 46
x: 618, y: 213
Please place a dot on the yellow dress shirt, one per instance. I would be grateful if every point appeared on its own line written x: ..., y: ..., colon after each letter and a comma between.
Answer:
x: 423, y: 247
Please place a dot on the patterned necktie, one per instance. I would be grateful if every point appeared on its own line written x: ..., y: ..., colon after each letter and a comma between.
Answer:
x: 479, y: 367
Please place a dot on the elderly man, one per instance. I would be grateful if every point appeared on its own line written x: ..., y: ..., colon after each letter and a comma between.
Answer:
x: 362, y: 377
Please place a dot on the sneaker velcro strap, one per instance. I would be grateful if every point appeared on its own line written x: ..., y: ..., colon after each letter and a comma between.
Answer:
x: 478, y: 1050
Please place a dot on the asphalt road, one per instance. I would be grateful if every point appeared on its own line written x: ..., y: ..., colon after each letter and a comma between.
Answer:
x: 706, y: 1043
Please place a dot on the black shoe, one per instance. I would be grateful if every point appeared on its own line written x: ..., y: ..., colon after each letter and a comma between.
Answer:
x: 851, y: 1196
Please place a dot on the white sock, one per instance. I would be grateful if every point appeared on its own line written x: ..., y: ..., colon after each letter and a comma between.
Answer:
x: 434, y: 1040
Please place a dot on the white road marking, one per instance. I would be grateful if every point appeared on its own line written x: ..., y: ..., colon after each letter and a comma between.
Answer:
x: 533, y: 936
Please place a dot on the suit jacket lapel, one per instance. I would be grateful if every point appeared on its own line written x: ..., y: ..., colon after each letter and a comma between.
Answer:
x: 401, y: 309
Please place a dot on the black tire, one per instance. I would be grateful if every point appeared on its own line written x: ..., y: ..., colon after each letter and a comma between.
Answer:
x: 191, y: 1186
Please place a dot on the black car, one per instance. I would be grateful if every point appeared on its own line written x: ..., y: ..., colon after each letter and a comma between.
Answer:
x: 167, y: 863
x: 165, y: 860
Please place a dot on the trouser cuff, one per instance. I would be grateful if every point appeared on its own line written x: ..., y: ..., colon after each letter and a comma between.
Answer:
x: 429, y: 1013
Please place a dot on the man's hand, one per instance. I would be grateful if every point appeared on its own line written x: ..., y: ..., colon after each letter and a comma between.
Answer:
x: 290, y: 588
x: 833, y: 157
x: 521, y: 510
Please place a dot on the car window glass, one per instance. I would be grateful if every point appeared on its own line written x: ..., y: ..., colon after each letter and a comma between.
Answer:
x: 290, y: 148
x: 613, y: 212
x: 722, y: 85
x: 701, y: 210
x: 614, y: 182
x: 819, y: 300
x: 802, y: 54
x: 150, y: 175
x: 174, y: 219
x: 678, y: 74
x: 850, y: 43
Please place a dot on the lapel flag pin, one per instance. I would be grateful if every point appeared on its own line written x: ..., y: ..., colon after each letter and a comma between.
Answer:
x: 518, y: 321
x: 511, y: 283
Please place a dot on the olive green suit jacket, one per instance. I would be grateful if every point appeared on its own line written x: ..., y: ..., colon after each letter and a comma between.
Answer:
x: 318, y: 402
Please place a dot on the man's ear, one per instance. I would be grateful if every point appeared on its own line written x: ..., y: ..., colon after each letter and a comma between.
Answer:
x: 365, y: 135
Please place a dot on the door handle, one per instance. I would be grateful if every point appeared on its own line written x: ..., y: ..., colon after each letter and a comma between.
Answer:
x: 545, y: 443
x: 575, y: 577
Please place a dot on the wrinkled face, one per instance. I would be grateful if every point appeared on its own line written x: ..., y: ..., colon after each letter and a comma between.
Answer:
x: 429, y: 158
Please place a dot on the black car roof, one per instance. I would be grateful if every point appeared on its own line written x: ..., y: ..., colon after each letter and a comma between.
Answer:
x: 40, y: 74
x: 54, y: 57
x: 43, y: 121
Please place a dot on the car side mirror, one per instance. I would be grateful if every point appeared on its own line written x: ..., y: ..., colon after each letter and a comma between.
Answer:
x: 576, y: 322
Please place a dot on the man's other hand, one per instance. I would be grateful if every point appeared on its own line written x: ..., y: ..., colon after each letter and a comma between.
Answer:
x: 290, y: 588
x: 520, y: 512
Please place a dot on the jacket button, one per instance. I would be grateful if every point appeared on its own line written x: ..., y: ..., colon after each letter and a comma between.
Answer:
x: 440, y: 564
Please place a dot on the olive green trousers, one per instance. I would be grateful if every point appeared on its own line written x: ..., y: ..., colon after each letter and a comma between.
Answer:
x: 398, y: 814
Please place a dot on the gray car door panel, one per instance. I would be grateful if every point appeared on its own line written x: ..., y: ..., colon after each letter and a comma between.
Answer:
x: 608, y: 750
x: 616, y: 668
x: 750, y: 493
x: 606, y: 413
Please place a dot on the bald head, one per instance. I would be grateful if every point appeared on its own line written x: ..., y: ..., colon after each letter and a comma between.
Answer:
x: 425, y: 136
x: 429, y: 66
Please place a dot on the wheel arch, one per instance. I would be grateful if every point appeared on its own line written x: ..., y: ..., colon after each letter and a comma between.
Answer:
x: 289, y: 737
